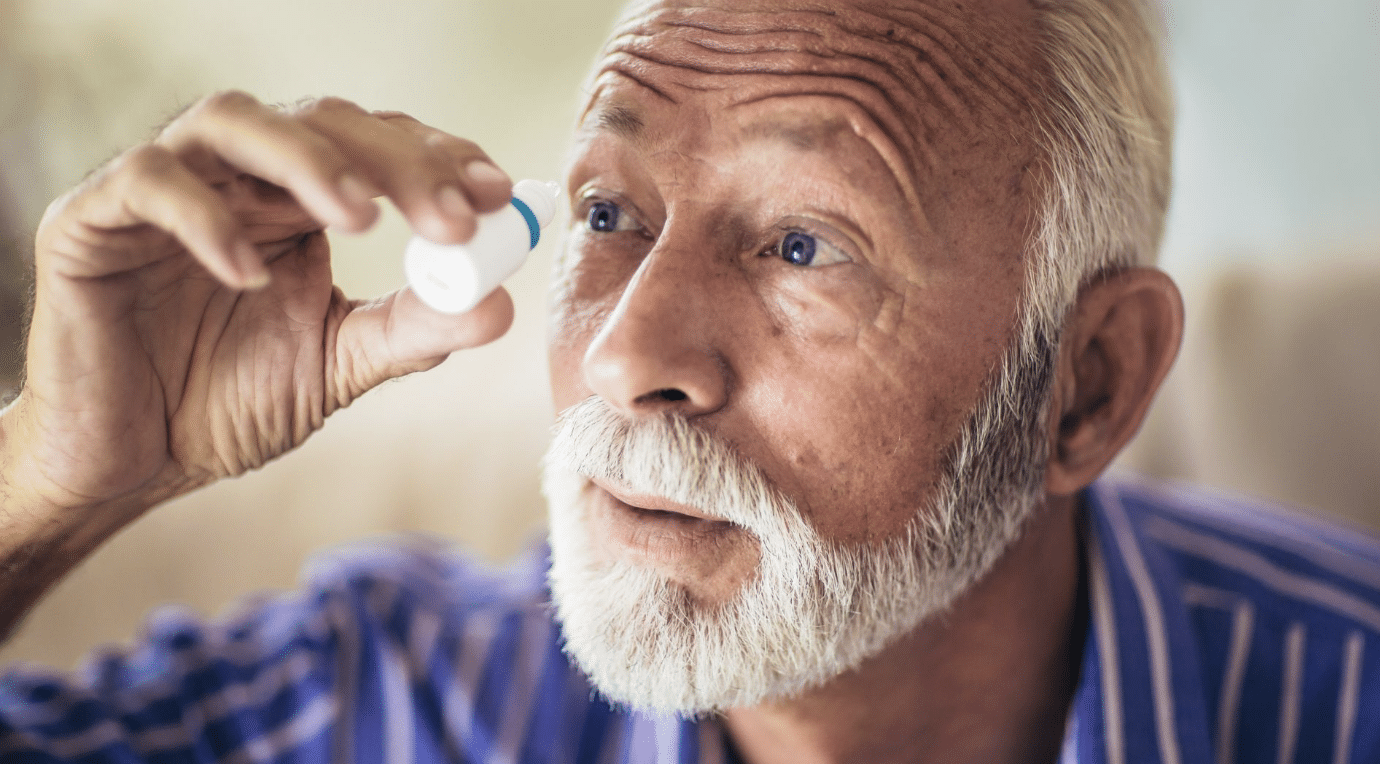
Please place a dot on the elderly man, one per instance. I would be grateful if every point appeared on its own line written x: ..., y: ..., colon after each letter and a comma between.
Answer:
x: 856, y: 306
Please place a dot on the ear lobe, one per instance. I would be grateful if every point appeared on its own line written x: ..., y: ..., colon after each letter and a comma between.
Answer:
x: 1119, y: 343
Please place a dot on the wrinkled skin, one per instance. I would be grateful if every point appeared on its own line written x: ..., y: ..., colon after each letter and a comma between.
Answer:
x: 716, y: 132
x: 899, y: 136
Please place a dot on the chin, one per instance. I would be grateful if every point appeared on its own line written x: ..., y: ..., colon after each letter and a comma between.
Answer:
x: 806, y: 614
x: 636, y: 613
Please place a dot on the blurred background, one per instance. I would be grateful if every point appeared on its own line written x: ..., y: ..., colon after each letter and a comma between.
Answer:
x: 1274, y: 234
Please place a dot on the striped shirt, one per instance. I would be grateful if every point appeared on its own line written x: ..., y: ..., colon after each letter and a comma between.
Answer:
x: 1221, y: 631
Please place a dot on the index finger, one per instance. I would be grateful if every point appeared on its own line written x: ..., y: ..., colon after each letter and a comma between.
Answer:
x: 236, y: 129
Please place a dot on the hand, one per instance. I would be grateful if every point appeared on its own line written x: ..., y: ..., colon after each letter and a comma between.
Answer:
x: 185, y: 324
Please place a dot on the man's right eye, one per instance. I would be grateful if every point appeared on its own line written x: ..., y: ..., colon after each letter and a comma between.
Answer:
x: 604, y: 217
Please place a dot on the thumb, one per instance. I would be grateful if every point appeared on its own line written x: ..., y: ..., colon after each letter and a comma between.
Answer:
x: 398, y: 334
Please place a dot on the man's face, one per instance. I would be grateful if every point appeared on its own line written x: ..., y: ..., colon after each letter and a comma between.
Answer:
x: 802, y: 232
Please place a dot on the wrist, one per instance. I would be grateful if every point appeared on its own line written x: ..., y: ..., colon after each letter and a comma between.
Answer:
x: 30, y: 505
x: 42, y: 538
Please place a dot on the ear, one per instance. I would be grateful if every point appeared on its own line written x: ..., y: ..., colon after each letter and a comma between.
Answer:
x: 1119, y: 342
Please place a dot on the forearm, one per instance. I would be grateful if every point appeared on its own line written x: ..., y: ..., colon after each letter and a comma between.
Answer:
x: 40, y: 539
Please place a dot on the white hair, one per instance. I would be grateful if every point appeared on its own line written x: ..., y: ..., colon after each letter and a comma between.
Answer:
x: 1106, y: 133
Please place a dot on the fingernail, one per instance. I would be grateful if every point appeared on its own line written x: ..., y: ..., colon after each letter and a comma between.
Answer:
x: 453, y: 203
x: 357, y: 192
x: 483, y: 172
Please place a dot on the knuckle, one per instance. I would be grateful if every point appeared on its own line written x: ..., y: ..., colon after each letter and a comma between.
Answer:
x: 401, y: 117
x: 138, y: 164
x: 324, y: 157
x: 211, y: 108
x: 454, y: 146
x: 433, y: 159
x: 326, y: 106
x: 55, y: 211
x: 226, y: 102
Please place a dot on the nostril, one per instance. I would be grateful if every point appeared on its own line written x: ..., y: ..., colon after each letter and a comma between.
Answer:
x: 669, y: 394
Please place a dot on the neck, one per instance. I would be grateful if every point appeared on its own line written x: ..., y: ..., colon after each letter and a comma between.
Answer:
x: 989, y: 681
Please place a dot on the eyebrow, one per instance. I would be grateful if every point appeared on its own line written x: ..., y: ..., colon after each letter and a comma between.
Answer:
x: 802, y: 135
x: 626, y: 123
x: 622, y: 121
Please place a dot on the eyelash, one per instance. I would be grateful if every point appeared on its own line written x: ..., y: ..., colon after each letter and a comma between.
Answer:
x: 792, y: 246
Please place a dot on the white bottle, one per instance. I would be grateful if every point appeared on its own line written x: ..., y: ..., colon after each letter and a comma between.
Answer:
x: 453, y: 278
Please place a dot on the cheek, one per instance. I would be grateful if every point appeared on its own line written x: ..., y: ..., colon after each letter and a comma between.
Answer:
x: 819, y: 306
x: 595, y: 269
x: 861, y: 425
x: 584, y: 291
x: 859, y: 454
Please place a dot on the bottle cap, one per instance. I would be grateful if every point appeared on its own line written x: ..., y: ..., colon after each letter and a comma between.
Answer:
x: 454, y: 278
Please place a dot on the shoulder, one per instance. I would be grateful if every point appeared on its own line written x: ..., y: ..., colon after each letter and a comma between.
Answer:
x: 1275, y: 612
x: 1299, y: 563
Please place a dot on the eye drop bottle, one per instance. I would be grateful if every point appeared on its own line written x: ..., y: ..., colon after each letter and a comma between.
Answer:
x: 453, y: 278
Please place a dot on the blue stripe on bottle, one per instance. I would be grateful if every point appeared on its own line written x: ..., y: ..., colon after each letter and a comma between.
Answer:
x: 533, y: 227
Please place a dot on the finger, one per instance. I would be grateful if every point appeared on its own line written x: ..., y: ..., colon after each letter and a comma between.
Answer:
x: 149, y: 186
x: 487, y: 187
x: 426, y: 179
x: 234, y: 128
x: 398, y: 334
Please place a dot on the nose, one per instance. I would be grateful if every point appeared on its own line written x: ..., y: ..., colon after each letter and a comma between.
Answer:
x: 657, y: 352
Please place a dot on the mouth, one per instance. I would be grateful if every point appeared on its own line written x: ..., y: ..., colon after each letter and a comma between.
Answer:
x: 654, y: 532
x: 655, y: 507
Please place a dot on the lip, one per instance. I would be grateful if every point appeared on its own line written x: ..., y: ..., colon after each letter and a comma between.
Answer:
x: 681, y: 542
x: 640, y: 501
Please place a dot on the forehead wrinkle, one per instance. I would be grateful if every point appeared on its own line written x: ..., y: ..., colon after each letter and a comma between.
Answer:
x: 892, y: 155
x: 616, y: 65
x: 911, y: 55
x: 932, y: 32
x: 692, y: 63
x: 996, y: 65
x: 924, y: 79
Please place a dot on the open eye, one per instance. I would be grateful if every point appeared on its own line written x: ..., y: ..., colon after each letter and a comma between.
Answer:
x: 805, y: 249
x: 607, y: 217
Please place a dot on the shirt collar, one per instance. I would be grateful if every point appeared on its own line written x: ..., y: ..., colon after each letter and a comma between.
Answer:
x: 1140, y: 694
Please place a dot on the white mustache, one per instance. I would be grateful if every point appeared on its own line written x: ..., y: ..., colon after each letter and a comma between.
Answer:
x: 667, y: 456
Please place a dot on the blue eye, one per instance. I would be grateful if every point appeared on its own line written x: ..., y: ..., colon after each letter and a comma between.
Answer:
x: 603, y: 217
x: 798, y: 248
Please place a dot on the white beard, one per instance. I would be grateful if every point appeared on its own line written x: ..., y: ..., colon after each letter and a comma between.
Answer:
x: 812, y: 610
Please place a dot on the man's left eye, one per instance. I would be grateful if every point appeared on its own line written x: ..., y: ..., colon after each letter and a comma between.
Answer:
x: 804, y: 249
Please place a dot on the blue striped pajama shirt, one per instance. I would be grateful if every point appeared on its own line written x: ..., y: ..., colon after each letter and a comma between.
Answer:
x: 1220, y: 631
